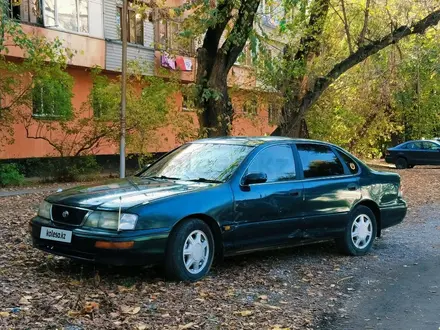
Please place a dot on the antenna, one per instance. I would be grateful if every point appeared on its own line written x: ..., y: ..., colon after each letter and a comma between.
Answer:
x: 120, y: 206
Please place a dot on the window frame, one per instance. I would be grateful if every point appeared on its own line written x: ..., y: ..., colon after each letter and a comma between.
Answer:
x: 169, y: 43
x: 119, y: 28
x: 56, y: 18
x: 250, y: 161
x: 336, y: 151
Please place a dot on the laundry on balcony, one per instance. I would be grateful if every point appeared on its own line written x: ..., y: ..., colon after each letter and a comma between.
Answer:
x: 179, y: 63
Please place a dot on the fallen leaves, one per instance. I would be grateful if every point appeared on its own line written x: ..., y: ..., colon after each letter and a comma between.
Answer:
x: 130, y: 310
x: 259, y: 291
x: 244, y: 313
x: 25, y: 300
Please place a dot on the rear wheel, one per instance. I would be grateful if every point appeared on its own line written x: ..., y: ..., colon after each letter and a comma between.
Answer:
x: 401, y: 163
x: 190, y: 251
x: 360, y: 232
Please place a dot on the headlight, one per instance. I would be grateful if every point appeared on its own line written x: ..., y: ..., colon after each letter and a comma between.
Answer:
x: 44, y: 210
x: 109, y: 220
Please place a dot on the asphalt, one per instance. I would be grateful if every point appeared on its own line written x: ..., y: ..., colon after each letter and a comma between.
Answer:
x: 402, y: 290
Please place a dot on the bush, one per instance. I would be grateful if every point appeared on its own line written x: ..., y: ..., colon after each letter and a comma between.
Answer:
x: 10, y: 175
x: 66, y: 169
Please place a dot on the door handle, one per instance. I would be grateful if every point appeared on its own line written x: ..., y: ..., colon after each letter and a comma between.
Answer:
x: 352, y: 187
x: 294, y: 193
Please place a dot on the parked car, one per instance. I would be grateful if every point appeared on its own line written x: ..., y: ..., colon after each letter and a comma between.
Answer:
x: 221, y: 197
x: 412, y: 153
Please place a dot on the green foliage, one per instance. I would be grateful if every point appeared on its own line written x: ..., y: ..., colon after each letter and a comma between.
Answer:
x: 10, y: 175
x: 51, y: 97
x: 67, y: 169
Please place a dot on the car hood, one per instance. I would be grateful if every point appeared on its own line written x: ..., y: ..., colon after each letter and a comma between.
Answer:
x: 123, y: 193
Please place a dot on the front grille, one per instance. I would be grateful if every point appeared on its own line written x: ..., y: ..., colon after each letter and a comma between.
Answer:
x: 68, y: 215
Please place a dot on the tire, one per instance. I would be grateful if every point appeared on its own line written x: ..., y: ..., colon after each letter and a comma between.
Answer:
x: 410, y: 166
x: 349, y: 245
x: 190, y: 235
x: 401, y: 163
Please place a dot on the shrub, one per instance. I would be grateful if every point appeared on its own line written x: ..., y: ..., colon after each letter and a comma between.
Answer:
x: 10, y: 175
x: 65, y: 169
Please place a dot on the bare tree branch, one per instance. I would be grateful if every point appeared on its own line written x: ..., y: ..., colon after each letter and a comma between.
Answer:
x: 347, y: 27
x: 364, y: 52
x: 361, y: 39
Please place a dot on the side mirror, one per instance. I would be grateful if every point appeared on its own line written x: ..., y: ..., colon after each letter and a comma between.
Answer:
x: 254, y: 178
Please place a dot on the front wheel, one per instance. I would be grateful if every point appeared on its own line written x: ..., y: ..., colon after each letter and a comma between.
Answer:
x: 360, y: 232
x: 190, y: 251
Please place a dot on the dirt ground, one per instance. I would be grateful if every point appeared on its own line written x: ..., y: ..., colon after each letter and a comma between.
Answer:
x: 296, y: 288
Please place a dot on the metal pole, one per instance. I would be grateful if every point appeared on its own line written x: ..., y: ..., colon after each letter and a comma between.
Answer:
x: 123, y: 88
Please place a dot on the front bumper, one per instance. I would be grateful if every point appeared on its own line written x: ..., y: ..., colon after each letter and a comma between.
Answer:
x: 393, y: 215
x: 149, y: 245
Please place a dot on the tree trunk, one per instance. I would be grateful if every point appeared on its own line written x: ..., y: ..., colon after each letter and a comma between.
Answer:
x: 214, y: 63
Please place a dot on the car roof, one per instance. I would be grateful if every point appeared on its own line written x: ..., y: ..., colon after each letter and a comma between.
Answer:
x: 254, y: 141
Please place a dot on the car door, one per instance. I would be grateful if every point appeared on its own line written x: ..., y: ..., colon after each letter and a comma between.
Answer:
x: 331, y: 188
x: 415, y: 154
x: 269, y: 213
x: 431, y: 153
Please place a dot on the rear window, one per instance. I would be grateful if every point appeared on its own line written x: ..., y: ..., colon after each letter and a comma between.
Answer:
x: 319, y: 161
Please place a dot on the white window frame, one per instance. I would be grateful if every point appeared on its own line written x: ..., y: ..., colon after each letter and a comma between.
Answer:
x: 57, y: 25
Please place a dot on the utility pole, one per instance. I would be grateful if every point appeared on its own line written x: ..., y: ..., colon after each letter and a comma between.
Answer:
x: 123, y: 88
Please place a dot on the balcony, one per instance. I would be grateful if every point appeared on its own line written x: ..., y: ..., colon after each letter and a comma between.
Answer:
x: 89, y: 51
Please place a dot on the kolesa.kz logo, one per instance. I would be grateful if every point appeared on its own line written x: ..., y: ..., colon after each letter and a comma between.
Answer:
x: 51, y: 233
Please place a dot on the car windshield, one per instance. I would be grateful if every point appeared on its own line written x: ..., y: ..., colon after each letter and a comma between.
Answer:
x: 203, y: 162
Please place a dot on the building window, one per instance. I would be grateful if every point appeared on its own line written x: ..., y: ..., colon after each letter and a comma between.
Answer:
x: 135, y: 26
x: 250, y: 107
x: 50, y: 99
x: 167, y: 37
x: 28, y: 11
x: 245, y: 57
x: 70, y: 15
x: 274, y: 113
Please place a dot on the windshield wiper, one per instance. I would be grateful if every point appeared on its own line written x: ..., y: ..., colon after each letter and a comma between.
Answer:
x: 205, y: 180
x: 163, y: 177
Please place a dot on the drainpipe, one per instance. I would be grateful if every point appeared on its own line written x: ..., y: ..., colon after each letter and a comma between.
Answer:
x: 123, y: 88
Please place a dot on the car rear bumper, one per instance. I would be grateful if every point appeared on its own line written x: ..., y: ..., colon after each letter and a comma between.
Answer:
x: 393, y: 215
x: 148, y: 245
x: 389, y: 159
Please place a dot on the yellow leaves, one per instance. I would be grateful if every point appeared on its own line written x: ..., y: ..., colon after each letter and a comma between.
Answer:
x: 278, y: 327
x: 90, y: 307
x: 4, y: 314
x: 130, y: 310
x: 122, y: 289
x: 244, y: 313
x: 141, y: 326
x: 25, y: 300
x: 73, y: 313
x: 186, y: 326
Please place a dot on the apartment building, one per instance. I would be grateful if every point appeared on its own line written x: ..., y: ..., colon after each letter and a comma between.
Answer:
x: 93, y: 29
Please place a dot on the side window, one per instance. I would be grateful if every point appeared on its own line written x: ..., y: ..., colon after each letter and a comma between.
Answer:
x: 415, y: 145
x: 276, y: 162
x: 319, y: 161
x: 431, y: 146
x: 351, y: 164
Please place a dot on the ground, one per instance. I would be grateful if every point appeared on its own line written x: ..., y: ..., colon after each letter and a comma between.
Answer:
x: 313, y: 287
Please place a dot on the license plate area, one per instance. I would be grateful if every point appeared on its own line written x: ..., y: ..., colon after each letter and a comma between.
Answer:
x: 54, y: 234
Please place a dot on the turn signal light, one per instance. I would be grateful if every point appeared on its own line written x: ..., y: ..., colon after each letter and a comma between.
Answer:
x: 114, y: 245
